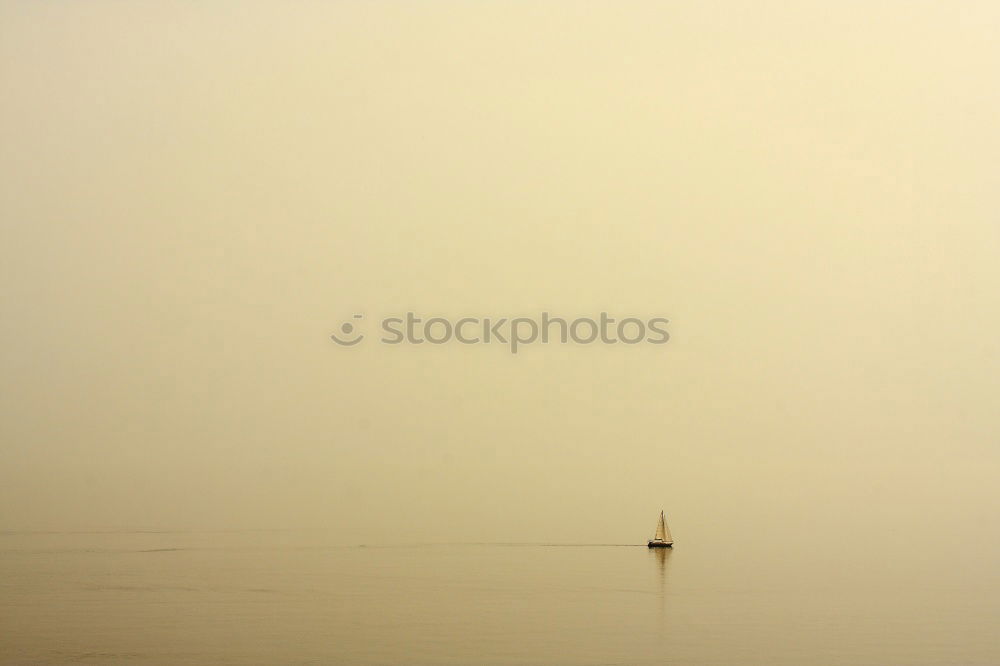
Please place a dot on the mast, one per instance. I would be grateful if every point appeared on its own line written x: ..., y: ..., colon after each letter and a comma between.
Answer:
x: 662, y: 531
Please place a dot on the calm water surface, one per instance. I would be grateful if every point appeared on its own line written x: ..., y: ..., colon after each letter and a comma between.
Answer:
x: 296, y: 598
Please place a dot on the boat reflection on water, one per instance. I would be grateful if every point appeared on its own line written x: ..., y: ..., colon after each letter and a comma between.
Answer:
x: 662, y: 558
x: 661, y: 561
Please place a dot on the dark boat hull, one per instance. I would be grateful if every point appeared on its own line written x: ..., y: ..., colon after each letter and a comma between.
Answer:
x: 658, y: 544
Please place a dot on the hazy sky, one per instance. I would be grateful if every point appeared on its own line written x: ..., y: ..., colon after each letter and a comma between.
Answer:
x: 194, y: 196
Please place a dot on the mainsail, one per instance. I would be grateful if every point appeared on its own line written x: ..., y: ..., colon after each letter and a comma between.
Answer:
x: 662, y: 531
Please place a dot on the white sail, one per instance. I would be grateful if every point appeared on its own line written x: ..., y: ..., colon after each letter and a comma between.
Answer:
x: 662, y: 531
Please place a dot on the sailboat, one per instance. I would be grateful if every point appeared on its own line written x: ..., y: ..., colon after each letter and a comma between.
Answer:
x: 662, y: 538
